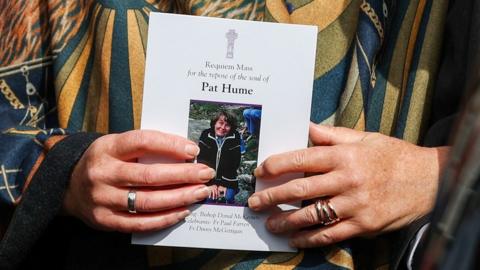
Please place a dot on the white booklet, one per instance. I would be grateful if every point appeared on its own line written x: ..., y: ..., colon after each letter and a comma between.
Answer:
x: 241, y: 90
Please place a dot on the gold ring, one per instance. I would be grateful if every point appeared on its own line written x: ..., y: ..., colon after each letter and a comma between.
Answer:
x: 325, y: 212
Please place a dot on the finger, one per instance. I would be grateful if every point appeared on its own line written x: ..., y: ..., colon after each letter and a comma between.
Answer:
x: 307, y: 216
x: 136, y: 143
x: 330, y: 135
x: 155, y: 200
x: 138, y: 174
x: 313, y: 159
x: 297, y: 190
x: 214, y: 193
x: 325, y: 236
x: 129, y: 223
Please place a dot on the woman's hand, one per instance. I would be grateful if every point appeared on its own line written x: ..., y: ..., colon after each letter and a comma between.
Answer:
x: 101, y: 180
x: 374, y: 183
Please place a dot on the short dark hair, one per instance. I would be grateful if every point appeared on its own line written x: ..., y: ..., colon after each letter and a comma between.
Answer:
x: 229, y: 118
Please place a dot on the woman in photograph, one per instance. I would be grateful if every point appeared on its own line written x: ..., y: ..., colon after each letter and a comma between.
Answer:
x: 220, y: 150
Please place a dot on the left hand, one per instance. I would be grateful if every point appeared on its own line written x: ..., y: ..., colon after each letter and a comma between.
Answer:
x: 375, y: 184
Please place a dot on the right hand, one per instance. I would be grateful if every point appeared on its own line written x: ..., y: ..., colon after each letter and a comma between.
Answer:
x: 100, y: 182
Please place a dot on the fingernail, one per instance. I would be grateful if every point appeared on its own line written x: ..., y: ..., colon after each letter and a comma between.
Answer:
x: 201, y: 193
x: 206, y: 174
x: 254, y: 202
x: 192, y: 149
x: 183, y: 214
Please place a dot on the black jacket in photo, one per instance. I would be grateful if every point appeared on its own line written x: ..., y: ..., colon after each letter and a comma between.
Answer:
x: 222, y: 156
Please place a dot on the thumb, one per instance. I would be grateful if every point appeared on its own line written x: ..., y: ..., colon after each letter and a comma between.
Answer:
x: 329, y: 135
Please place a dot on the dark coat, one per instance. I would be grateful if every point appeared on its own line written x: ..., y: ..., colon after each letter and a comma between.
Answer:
x: 224, y: 157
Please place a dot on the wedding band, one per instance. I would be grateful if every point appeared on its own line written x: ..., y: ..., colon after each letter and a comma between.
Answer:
x: 325, y: 212
x: 131, y: 197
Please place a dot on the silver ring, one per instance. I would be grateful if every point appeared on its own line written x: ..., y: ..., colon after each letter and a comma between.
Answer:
x: 131, y: 197
x: 325, y: 212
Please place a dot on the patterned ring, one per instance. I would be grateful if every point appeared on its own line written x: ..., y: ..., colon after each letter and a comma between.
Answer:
x: 131, y: 197
x: 325, y: 212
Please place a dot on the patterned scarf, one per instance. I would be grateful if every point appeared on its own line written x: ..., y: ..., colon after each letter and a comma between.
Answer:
x: 79, y: 65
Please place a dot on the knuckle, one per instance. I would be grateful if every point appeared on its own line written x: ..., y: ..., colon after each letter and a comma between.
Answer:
x: 299, y: 159
x: 310, y: 216
x: 98, y: 217
x: 330, y: 134
x: 327, y: 238
x: 300, y: 189
x: 186, y: 198
x: 363, y: 200
x: 144, y: 204
x: 355, y: 179
x: 369, y: 223
x: 94, y: 174
x: 268, y: 197
x: 366, y: 225
x: 175, y: 143
x: 147, y: 176
x: 138, y: 138
x: 98, y: 144
x: 350, y: 155
x: 96, y: 197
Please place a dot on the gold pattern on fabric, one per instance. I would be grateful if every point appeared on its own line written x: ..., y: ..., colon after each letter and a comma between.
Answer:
x: 280, y: 257
x: 22, y: 132
x: 103, y: 110
x: 352, y: 85
x: 340, y: 257
x: 69, y: 91
x: 335, y: 40
x: 370, y: 12
x: 319, y: 12
x: 93, y: 95
x: 360, y: 122
x: 136, y: 56
x: 427, y: 68
x: 28, y: 31
x: 354, y: 110
x: 8, y: 188
x: 395, y: 74
x: 10, y: 96
x: 173, y: 6
x: 278, y: 11
x: 281, y: 261
x: 67, y: 68
x: 411, y: 47
x: 234, y: 9
x: 143, y: 26
x: 68, y: 15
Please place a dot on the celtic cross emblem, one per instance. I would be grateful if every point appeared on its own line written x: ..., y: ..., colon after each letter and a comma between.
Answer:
x: 231, y: 36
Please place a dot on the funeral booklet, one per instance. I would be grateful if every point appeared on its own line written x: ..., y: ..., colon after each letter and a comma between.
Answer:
x: 242, y: 91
